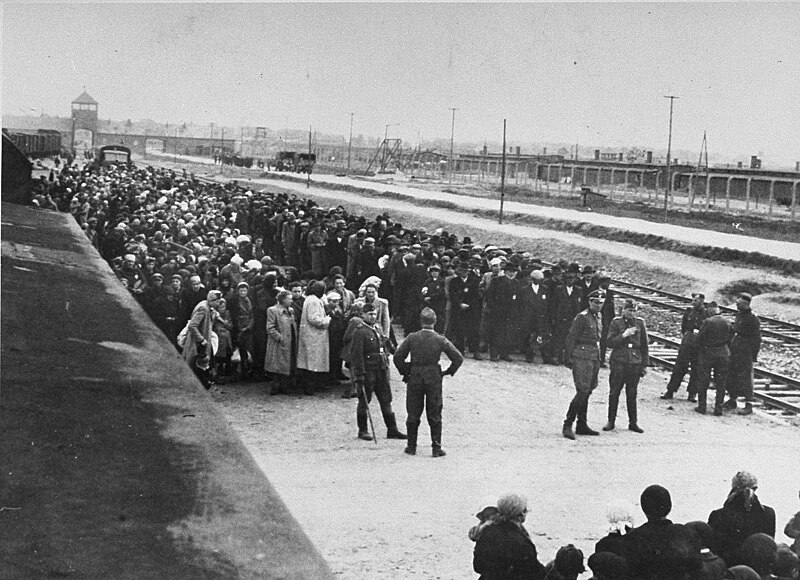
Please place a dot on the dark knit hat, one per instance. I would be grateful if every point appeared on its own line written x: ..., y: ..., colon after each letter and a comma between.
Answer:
x: 656, y: 501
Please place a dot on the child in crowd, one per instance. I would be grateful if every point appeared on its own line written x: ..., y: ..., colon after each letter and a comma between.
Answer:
x: 486, y: 517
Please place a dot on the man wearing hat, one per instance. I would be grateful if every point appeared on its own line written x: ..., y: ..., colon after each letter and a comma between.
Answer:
x: 336, y: 247
x: 745, y: 345
x: 688, y: 352
x: 566, y: 303
x: 465, y: 310
x: 536, y: 322
x: 355, y: 242
x: 713, y: 355
x: 501, y: 298
x: 588, y: 284
x: 568, y: 564
x: 629, y: 359
x: 424, y: 378
x: 434, y: 295
x: 583, y: 352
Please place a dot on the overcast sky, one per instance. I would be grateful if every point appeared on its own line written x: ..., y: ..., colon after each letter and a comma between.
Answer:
x: 589, y: 73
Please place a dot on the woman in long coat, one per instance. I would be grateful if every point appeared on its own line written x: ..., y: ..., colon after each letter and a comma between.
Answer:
x: 197, y: 350
x: 312, y: 348
x: 281, y: 356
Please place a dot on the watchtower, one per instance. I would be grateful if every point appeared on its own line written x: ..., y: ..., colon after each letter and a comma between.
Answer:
x: 84, y: 121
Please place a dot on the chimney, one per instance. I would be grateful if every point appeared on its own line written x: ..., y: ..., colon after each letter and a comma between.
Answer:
x: 797, y: 166
x: 620, y: 156
x: 649, y: 157
x: 518, y: 149
x: 597, y: 155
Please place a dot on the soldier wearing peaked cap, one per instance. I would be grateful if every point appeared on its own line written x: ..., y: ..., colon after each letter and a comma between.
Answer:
x: 424, y: 378
x: 583, y: 356
x: 745, y: 344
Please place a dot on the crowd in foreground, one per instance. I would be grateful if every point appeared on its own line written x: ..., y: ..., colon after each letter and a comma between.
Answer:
x: 736, y: 541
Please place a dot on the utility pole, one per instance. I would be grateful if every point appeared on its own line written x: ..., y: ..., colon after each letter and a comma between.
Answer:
x: 308, y: 168
x: 452, y: 134
x: 668, y: 191
x: 350, y: 144
x: 503, y: 174
x: 222, y: 153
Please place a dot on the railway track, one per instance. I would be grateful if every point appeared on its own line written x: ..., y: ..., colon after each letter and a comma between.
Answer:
x: 777, y: 394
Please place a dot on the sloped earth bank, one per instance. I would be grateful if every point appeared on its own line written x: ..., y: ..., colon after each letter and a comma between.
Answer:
x: 377, y: 513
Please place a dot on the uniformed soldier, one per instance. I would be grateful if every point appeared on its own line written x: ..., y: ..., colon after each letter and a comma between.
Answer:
x: 714, y: 355
x: 627, y: 337
x: 688, y: 352
x: 583, y: 356
x: 745, y: 344
x: 369, y: 364
x: 424, y: 378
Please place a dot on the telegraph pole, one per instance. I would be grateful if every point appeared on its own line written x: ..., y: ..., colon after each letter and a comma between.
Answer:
x: 308, y: 169
x: 350, y: 144
x: 452, y: 134
x: 668, y: 191
x: 503, y: 174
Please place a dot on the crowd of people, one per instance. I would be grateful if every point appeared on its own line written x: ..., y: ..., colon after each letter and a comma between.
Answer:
x: 289, y: 276
x: 736, y: 541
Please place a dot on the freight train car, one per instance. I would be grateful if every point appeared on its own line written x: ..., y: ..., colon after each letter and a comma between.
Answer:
x: 35, y: 144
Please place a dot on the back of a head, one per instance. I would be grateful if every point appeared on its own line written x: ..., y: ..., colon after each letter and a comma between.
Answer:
x: 608, y: 566
x: 511, y: 505
x: 656, y: 501
x: 787, y: 563
x: 702, y: 532
x: 758, y: 551
x: 742, y: 572
x: 569, y: 561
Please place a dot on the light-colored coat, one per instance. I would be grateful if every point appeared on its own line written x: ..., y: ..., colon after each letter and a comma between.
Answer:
x: 280, y: 322
x: 199, y: 328
x: 312, y: 349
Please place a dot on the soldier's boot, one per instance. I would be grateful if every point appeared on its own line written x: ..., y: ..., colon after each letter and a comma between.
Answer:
x: 747, y: 410
x: 392, y: 432
x: 411, y: 446
x: 361, y: 419
x: 572, y: 412
x: 612, y: 415
x: 436, y: 441
x: 730, y: 403
x: 582, y: 428
x: 702, y: 396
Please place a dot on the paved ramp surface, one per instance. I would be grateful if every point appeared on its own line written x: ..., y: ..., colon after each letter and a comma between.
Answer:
x: 114, y: 461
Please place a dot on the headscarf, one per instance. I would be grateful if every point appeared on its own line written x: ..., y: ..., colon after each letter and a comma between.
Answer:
x: 744, y: 485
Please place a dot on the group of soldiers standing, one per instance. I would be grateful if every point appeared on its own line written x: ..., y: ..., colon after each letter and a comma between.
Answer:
x: 712, y: 346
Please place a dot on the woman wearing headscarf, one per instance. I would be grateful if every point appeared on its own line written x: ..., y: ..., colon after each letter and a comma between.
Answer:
x: 312, y: 347
x: 281, y: 354
x: 243, y: 322
x: 197, y: 350
x: 504, y: 550
x: 741, y: 515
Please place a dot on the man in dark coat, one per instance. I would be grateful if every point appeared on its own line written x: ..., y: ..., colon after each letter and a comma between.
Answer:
x: 567, y: 304
x: 713, y: 356
x: 192, y: 295
x: 465, y: 314
x: 434, y: 295
x: 688, y: 352
x: 660, y: 549
x: 501, y: 298
x: 745, y: 344
x: 741, y: 516
x: 536, y: 322
x: 424, y: 378
x: 336, y: 248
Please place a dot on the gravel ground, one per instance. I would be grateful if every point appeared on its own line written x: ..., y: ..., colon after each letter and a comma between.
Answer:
x: 377, y: 513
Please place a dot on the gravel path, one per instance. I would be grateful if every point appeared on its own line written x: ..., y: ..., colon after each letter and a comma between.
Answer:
x: 377, y: 513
